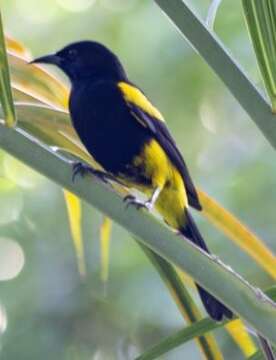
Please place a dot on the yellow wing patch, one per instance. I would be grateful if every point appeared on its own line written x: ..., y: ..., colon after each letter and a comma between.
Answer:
x: 136, y: 97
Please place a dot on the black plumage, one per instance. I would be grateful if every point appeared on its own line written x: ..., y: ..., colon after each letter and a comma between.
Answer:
x: 127, y: 135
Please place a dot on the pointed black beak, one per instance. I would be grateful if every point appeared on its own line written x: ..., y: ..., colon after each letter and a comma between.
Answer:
x: 53, y: 59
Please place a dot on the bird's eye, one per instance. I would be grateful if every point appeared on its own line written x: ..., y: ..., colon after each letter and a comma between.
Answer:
x: 72, y: 54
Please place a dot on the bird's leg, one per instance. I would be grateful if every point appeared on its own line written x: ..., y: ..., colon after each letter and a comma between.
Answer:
x: 82, y: 169
x: 148, y: 204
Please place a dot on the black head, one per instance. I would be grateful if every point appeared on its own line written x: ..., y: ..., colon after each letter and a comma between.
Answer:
x: 86, y: 59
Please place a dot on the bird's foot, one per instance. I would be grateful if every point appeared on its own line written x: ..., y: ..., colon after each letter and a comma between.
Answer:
x: 131, y: 200
x: 82, y: 169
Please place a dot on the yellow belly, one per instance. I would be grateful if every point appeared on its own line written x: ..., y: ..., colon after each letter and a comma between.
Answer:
x: 163, y: 174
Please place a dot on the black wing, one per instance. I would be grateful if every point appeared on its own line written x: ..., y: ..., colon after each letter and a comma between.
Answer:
x: 159, y: 130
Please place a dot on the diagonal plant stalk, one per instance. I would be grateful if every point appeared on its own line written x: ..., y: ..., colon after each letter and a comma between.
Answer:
x: 245, y: 300
x: 212, y: 13
x: 266, y: 348
x: 171, y: 342
x: 182, y: 336
x: 186, y: 305
x: 5, y: 87
x: 261, y: 21
x: 238, y: 232
x: 217, y: 56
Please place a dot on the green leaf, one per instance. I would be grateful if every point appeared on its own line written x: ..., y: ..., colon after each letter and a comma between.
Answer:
x: 197, y: 329
x: 186, y: 305
x: 190, y: 332
x: 52, y: 127
x: 261, y: 22
x: 257, y: 356
x: 212, y: 13
x: 238, y: 233
x: 5, y: 85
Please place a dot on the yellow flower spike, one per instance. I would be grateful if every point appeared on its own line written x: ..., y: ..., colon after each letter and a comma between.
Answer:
x: 73, y: 204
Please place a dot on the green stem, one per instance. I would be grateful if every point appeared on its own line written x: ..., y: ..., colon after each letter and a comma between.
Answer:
x: 176, y: 340
x: 184, y: 301
x: 5, y: 87
x: 214, y: 53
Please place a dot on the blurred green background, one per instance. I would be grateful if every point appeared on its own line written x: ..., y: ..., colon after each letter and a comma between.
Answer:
x: 46, y: 311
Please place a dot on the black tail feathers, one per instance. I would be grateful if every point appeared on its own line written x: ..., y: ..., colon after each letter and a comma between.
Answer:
x: 214, y: 307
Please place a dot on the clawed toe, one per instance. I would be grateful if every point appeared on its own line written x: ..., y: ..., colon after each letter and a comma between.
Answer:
x: 131, y: 200
x: 82, y: 169
x: 78, y: 169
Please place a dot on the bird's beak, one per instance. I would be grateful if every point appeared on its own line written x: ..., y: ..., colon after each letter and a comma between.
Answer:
x: 53, y: 59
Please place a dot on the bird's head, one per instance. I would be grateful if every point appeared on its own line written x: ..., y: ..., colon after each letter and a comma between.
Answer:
x: 86, y: 59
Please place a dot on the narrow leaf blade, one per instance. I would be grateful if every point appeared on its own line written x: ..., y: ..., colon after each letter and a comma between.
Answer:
x: 189, y: 310
x: 74, y: 211
x: 5, y: 83
x: 238, y: 233
x: 238, y: 332
x: 197, y: 329
x: 105, y: 234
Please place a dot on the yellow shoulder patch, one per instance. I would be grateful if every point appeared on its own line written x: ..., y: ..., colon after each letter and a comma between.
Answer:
x: 136, y: 97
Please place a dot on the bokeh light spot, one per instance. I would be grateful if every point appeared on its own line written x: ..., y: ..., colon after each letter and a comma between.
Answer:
x: 12, y: 259
x: 21, y: 174
x: 118, y: 5
x: 43, y: 10
x: 11, y: 201
x: 75, y: 5
x: 208, y: 116
x: 3, y: 319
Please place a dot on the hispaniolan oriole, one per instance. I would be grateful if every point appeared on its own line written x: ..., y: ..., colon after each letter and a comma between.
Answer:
x: 128, y: 137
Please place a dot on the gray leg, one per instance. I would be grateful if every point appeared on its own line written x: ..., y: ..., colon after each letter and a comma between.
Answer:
x: 148, y: 204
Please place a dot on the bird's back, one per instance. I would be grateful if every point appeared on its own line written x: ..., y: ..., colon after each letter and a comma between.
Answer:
x: 105, y: 125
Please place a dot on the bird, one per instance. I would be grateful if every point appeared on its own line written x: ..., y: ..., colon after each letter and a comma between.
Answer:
x: 127, y: 135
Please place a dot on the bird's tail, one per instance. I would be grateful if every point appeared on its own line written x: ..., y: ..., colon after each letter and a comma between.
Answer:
x: 214, y: 307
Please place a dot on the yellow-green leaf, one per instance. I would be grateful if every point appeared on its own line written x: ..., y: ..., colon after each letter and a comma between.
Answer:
x: 238, y: 332
x: 23, y: 97
x: 17, y: 48
x: 52, y: 127
x: 73, y: 204
x: 238, y: 233
x: 105, y: 234
x: 37, y: 82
